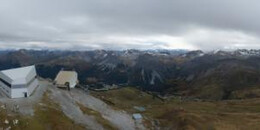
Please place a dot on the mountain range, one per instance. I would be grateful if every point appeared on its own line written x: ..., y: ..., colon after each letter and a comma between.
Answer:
x: 215, y: 75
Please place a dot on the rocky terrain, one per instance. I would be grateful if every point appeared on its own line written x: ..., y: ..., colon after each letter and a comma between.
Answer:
x: 215, y: 75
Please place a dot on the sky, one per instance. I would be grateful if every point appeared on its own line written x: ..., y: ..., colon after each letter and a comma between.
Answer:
x: 129, y: 24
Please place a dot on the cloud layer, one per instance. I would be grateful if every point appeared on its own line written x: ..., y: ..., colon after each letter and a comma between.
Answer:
x: 125, y: 24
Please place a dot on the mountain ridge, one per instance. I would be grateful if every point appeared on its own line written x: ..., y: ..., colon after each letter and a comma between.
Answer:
x: 207, y: 75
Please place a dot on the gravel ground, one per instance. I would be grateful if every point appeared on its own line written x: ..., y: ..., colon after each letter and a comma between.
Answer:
x: 119, y: 118
x: 71, y: 109
x: 68, y: 99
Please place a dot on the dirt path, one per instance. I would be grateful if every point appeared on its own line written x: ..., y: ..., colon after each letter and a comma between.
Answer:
x: 71, y: 109
x: 68, y: 99
x: 120, y: 119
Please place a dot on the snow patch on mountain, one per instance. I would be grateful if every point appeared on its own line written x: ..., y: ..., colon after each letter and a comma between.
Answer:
x: 155, y: 75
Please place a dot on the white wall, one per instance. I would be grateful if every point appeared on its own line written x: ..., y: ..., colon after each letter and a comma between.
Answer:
x: 31, y: 75
x: 18, y: 92
x: 23, y: 88
x: 6, y: 78
x: 5, y: 89
x: 32, y: 87
x: 73, y: 81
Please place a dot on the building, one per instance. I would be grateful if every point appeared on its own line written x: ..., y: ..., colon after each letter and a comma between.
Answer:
x: 66, y: 79
x: 18, y: 82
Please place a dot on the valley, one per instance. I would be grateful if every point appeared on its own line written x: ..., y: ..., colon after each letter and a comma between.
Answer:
x: 216, y: 75
x: 129, y: 65
x: 170, y: 89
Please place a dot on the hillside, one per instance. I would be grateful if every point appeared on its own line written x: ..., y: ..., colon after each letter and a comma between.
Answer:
x: 214, y: 75
x: 52, y: 108
x: 179, y: 114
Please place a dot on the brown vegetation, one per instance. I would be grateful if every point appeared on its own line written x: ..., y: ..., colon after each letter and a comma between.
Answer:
x: 178, y: 114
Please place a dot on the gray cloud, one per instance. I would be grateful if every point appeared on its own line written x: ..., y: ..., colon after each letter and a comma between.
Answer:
x: 123, y: 24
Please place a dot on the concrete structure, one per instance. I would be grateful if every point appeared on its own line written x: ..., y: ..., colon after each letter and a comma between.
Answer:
x: 66, y: 79
x: 137, y: 116
x: 18, y: 82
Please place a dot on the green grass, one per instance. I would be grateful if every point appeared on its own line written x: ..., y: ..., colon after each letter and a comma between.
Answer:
x: 127, y: 98
x: 177, y: 114
x: 250, y: 92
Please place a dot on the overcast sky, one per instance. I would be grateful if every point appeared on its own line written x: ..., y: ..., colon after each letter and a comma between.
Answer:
x: 127, y: 24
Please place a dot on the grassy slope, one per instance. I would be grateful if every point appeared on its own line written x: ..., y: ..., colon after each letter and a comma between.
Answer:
x: 233, y: 114
x: 47, y: 116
